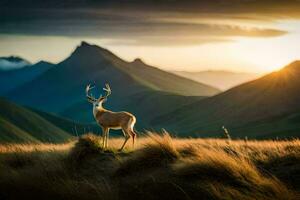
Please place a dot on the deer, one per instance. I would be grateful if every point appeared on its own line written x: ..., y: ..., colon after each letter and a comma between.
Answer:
x: 107, y: 119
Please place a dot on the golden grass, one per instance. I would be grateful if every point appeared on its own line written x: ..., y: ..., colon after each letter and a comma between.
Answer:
x: 160, y: 167
x: 35, y: 147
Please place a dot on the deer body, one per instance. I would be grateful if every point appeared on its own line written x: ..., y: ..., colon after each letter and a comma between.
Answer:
x: 112, y: 120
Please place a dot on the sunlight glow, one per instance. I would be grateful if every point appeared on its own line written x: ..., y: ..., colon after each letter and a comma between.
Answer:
x: 243, y: 54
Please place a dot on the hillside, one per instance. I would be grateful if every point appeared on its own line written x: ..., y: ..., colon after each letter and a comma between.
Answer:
x: 219, y: 79
x: 18, y: 124
x: 61, y: 89
x: 164, y: 81
x: 70, y: 126
x: 160, y: 167
x: 13, y: 78
x: 266, y: 107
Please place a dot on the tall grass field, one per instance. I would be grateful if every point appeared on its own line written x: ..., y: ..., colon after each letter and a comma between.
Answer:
x: 160, y: 167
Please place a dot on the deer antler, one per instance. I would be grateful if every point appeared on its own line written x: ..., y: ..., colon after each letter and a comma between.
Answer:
x: 90, y: 97
x: 107, y: 89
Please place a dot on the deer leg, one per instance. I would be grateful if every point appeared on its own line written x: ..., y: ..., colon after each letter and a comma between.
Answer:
x: 126, y: 135
x: 131, y: 130
x: 103, y: 137
x: 106, y: 138
x: 133, y: 134
x: 104, y: 130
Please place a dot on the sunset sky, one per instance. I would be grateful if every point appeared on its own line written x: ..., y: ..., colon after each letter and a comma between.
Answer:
x: 239, y: 35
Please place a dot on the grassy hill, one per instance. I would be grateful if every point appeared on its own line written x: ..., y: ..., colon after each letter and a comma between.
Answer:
x: 266, y: 107
x: 160, y: 167
x: 19, y: 124
x: 60, y: 90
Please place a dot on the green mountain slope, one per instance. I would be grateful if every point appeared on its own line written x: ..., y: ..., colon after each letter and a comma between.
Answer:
x: 61, y: 90
x: 11, y: 133
x: 19, y: 124
x: 261, y: 108
x: 161, y: 80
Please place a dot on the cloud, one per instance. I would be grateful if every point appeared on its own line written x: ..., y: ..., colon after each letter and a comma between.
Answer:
x: 144, y: 22
x: 9, y: 65
x: 166, y: 41
x: 267, y: 8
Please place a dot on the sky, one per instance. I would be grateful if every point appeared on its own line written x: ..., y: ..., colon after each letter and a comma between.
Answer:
x: 192, y: 35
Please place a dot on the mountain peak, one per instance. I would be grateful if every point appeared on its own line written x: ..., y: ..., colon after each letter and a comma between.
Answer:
x: 42, y: 62
x: 84, y: 43
x: 87, y: 46
x: 293, y: 65
x: 138, y: 61
x: 87, y: 50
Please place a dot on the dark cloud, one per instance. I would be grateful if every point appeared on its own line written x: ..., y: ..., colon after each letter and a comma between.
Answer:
x: 143, y: 21
x: 282, y: 8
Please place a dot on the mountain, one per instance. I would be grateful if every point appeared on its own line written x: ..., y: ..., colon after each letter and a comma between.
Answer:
x: 12, y: 62
x: 266, y: 107
x: 19, y: 124
x: 61, y: 89
x: 11, y: 79
x: 219, y: 79
x: 163, y: 81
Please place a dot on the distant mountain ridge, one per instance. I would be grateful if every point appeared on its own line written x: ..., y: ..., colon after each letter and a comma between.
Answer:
x: 219, y: 79
x: 12, y: 62
x: 149, y: 76
x: 266, y: 107
x: 61, y: 89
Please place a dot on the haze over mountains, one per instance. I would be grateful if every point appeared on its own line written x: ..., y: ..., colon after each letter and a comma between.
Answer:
x: 219, y: 79
x: 12, y: 62
x: 136, y: 86
x: 266, y: 107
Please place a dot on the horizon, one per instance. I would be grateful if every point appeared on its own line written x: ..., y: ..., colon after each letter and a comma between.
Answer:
x: 176, y: 36
x: 32, y: 62
x: 136, y: 58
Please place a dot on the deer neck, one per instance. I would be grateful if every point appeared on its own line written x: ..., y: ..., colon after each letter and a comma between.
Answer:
x: 97, y: 109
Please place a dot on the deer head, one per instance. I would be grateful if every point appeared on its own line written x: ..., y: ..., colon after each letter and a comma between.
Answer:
x: 99, y: 100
